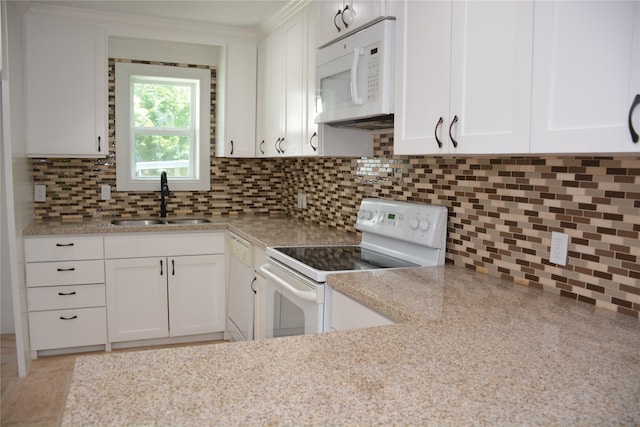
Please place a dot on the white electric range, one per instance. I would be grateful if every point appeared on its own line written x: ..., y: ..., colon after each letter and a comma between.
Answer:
x: 394, y: 235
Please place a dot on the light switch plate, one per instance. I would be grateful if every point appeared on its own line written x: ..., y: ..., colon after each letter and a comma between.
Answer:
x: 39, y: 193
x: 559, y: 248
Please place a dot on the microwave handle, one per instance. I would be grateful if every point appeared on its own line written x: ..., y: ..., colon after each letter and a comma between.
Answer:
x: 354, y: 75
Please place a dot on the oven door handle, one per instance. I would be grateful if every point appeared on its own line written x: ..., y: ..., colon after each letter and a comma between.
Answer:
x: 305, y: 295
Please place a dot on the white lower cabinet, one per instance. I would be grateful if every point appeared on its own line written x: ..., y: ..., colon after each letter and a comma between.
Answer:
x: 65, y: 292
x: 164, y: 285
x: 347, y: 313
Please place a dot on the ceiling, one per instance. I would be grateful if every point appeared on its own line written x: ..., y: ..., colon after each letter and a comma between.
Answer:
x: 241, y: 13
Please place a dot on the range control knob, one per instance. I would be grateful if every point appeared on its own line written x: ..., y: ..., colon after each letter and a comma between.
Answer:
x: 424, y: 224
x: 413, y: 223
x: 364, y: 214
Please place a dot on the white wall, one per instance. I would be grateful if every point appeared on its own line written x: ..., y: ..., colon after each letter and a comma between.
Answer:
x: 16, y: 175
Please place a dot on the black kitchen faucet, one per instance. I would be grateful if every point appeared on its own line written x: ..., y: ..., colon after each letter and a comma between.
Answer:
x: 164, y: 192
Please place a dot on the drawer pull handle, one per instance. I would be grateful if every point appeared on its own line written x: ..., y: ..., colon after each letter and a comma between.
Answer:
x: 67, y: 269
x: 64, y: 244
x: 68, y: 318
x: 66, y: 293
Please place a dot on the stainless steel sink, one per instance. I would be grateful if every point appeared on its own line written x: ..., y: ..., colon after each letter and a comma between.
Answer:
x: 155, y: 221
x: 188, y: 221
x: 138, y: 222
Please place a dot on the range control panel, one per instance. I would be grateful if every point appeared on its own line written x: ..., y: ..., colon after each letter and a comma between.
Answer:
x: 422, y: 224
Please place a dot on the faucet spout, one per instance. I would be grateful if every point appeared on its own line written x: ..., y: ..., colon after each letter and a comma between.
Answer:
x: 164, y: 192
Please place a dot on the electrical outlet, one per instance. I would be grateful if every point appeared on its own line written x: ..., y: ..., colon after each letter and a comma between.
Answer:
x: 105, y: 192
x: 559, y: 248
x: 39, y: 193
x: 302, y: 201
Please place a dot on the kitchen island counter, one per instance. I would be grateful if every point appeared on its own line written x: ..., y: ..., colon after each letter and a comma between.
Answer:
x: 470, y: 350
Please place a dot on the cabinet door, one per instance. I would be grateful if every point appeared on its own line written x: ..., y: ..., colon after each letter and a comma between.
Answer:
x: 271, y: 95
x: 66, y: 85
x: 239, y: 132
x: 339, y: 17
x: 491, y: 54
x: 585, y: 76
x: 196, y: 294
x: 294, y: 38
x: 137, y: 298
x: 423, y: 46
x: 310, y: 139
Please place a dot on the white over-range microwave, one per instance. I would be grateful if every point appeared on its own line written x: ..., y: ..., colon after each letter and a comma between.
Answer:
x: 355, y: 76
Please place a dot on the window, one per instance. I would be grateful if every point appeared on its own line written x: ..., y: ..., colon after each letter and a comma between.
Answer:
x: 162, y: 124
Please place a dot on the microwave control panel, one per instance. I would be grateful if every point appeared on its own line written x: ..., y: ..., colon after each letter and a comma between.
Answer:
x: 373, y: 72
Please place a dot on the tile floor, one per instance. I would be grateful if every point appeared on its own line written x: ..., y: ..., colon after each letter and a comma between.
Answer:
x: 38, y: 399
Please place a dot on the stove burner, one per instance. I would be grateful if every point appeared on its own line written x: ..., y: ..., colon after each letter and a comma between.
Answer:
x: 342, y: 258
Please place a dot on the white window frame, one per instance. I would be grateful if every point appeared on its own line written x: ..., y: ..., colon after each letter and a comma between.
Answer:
x: 125, y: 161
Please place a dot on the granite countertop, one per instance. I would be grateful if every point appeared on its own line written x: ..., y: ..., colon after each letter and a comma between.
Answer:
x: 470, y: 350
x: 261, y: 230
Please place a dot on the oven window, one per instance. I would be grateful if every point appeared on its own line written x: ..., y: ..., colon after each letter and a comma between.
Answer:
x: 288, y: 318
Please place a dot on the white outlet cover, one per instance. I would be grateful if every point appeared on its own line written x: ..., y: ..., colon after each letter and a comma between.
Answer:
x: 559, y: 248
x: 105, y: 192
x: 39, y: 193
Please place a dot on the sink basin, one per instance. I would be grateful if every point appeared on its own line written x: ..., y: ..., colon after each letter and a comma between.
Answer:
x: 188, y: 221
x: 138, y: 222
x: 155, y: 221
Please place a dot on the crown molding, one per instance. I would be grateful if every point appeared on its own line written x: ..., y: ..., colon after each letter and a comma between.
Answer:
x: 293, y: 7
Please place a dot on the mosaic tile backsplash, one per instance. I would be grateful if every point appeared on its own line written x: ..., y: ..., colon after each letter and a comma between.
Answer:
x: 502, y: 210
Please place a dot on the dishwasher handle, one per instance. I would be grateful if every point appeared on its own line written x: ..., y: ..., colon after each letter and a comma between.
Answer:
x: 305, y: 295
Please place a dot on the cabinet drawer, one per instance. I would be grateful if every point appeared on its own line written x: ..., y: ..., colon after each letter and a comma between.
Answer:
x: 166, y: 244
x: 68, y: 328
x: 64, y: 273
x: 65, y: 297
x: 62, y: 248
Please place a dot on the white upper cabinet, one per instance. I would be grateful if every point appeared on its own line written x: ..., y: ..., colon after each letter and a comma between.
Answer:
x: 463, y: 77
x: 586, y: 75
x: 283, y: 89
x: 270, y: 121
x: 339, y: 17
x: 66, y: 88
x: 238, y: 103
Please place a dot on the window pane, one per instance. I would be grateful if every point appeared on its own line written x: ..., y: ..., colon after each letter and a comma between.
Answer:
x: 157, y: 153
x: 161, y: 105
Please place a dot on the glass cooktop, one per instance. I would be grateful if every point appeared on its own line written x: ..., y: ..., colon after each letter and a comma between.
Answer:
x: 342, y: 258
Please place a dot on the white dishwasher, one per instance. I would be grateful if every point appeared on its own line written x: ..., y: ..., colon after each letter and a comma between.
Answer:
x: 241, y: 292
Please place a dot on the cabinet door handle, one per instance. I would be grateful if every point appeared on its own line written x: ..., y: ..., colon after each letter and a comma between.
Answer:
x: 453, y: 122
x: 276, y: 144
x: 161, y: 271
x: 63, y: 244
x: 335, y: 18
x: 173, y: 267
x: 634, y: 104
x: 67, y: 269
x: 251, y: 285
x: 261, y: 149
x: 280, y: 146
x: 232, y: 147
x: 435, y: 132
x: 315, y: 135
x: 64, y: 294
x: 99, y: 149
x: 68, y: 318
x: 346, y: 8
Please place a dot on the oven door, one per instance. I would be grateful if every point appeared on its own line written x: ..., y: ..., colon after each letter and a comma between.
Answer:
x: 288, y: 304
